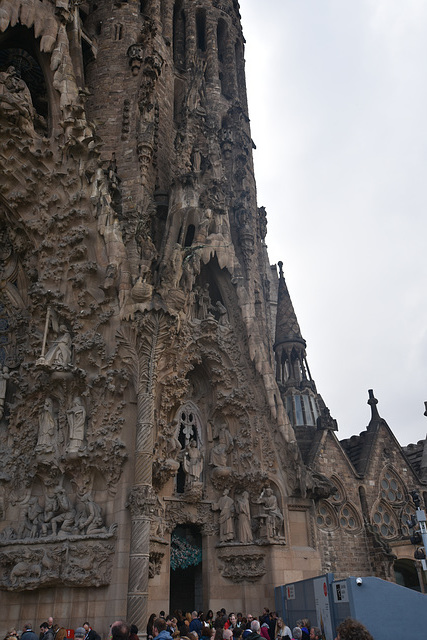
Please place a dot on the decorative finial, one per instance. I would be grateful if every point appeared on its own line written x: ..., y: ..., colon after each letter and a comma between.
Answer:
x: 373, y: 404
x: 280, y: 263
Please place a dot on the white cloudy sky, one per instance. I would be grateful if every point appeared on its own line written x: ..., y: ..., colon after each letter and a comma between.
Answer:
x: 338, y: 105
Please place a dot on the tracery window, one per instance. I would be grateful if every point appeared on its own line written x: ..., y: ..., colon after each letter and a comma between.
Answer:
x: 325, y: 517
x: 349, y: 518
x: 384, y: 520
x: 339, y: 496
x: 391, y: 489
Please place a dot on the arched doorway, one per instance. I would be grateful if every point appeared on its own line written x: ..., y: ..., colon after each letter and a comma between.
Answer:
x: 186, y: 569
x: 406, y: 574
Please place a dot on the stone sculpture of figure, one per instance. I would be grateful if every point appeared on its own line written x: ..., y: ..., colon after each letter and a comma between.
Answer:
x: 204, y: 301
x: 76, y: 417
x: 274, y: 517
x: 4, y: 376
x: 59, y: 354
x: 65, y: 517
x: 192, y: 463
x: 243, y: 511
x: 222, y: 448
x: 16, y: 102
x: 47, y: 428
x: 92, y: 520
x: 225, y: 506
x: 33, y: 517
x: 50, y: 508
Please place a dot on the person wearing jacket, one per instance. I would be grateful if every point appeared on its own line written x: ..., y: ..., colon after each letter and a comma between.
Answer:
x: 159, y: 629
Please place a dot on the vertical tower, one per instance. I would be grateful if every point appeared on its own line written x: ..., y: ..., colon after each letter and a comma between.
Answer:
x: 145, y: 440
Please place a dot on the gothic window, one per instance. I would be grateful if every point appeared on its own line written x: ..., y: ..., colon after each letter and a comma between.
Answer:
x: 118, y: 31
x: 406, y: 514
x: 179, y: 34
x: 224, y: 63
x: 201, y: 29
x: 349, y: 518
x: 325, y: 517
x: 384, y: 520
x: 189, y: 236
x: 391, y: 488
x: 339, y: 496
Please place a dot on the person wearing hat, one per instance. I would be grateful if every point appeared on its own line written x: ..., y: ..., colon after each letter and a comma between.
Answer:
x: 79, y: 633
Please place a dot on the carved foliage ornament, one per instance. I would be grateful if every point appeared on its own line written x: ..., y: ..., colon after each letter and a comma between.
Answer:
x: 250, y: 567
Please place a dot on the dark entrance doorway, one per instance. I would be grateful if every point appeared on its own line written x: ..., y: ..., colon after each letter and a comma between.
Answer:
x: 186, y: 569
x: 406, y: 574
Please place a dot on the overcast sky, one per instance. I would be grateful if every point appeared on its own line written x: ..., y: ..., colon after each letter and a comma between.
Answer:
x: 338, y: 105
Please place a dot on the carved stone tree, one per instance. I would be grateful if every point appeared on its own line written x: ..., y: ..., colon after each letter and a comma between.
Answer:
x: 142, y: 343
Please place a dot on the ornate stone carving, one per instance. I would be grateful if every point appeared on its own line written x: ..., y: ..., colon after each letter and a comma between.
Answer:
x: 155, y: 563
x: 270, y: 518
x: 225, y: 506
x: 240, y: 564
x: 75, y: 562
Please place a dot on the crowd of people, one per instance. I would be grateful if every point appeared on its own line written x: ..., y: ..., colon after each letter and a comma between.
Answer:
x: 52, y: 631
x: 198, y: 626
x: 236, y: 626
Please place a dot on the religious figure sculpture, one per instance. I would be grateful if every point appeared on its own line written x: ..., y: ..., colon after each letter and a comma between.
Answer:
x: 16, y: 102
x: 272, y: 513
x: 243, y: 511
x: 222, y: 448
x: 59, y: 354
x: 225, y: 506
x: 92, y: 519
x: 192, y: 463
x: 76, y: 417
x: 4, y: 376
x: 47, y: 428
x: 32, y: 519
x: 65, y: 518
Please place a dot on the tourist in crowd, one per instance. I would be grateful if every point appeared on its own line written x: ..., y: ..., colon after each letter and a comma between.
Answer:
x: 196, y: 624
x: 352, y: 629
x: 264, y: 631
x: 90, y: 633
x: 150, y: 626
x: 282, y: 630
x: 254, y: 634
x: 159, y: 630
x: 133, y: 632
x: 120, y: 630
x: 315, y: 633
x: 296, y: 633
x: 28, y: 633
x: 46, y: 633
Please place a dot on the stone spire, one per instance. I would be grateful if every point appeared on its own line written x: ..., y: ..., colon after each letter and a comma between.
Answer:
x: 305, y: 407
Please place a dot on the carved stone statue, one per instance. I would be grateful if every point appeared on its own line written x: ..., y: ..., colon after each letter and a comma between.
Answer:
x: 65, y: 518
x: 222, y: 448
x: 272, y: 513
x: 32, y: 519
x: 192, y: 463
x: 225, y: 506
x: 16, y: 102
x: 76, y: 417
x: 47, y: 428
x: 4, y: 376
x: 92, y: 520
x: 243, y: 511
x: 59, y: 354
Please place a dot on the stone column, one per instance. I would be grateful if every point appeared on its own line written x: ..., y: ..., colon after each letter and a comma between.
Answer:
x: 142, y: 343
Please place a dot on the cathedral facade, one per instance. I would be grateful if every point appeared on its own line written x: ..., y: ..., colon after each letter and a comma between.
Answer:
x: 163, y: 442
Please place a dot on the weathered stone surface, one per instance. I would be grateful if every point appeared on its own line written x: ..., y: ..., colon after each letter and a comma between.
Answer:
x: 150, y: 357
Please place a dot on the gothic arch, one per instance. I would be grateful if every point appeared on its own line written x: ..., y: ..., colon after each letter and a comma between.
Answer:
x: 340, y: 496
x: 19, y: 48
